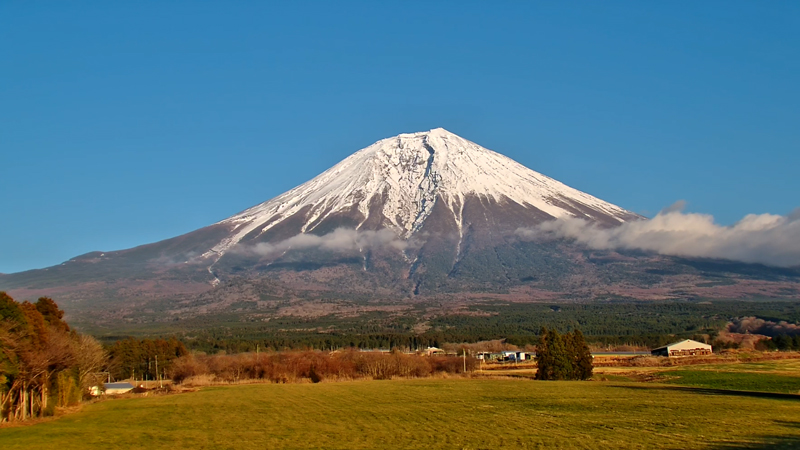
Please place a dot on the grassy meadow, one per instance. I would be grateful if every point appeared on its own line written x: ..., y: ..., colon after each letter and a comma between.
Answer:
x: 449, y: 413
x: 777, y: 376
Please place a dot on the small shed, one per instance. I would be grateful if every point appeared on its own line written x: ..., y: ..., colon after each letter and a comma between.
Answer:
x: 686, y: 347
x: 509, y: 356
x: 111, y: 389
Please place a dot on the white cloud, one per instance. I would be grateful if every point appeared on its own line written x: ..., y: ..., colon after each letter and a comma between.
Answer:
x: 339, y: 240
x: 757, y: 238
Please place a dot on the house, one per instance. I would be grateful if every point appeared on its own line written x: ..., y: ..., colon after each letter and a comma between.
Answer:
x: 111, y: 389
x: 686, y: 347
x: 431, y: 351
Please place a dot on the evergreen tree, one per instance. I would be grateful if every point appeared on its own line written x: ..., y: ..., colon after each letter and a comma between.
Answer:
x: 783, y: 342
x: 582, y: 357
x: 543, y: 360
x: 562, y: 368
x: 10, y: 310
x: 564, y: 357
x: 51, y: 314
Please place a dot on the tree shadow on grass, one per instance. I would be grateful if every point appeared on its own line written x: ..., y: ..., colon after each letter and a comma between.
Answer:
x: 770, y: 443
x: 710, y: 391
x: 766, y: 442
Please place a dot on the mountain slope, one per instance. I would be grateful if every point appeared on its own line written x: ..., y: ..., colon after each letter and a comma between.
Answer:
x: 436, y: 193
x: 420, y: 214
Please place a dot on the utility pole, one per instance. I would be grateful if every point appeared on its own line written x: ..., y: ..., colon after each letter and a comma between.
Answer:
x: 465, y: 360
x: 158, y: 375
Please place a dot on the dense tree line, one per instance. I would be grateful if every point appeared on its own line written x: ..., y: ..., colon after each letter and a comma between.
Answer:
x: 563, y: 357
x: 648, y: 324
x: 42, y: 361
x: 144, y: 359
x: 781, y: 342
x: 210, y: 342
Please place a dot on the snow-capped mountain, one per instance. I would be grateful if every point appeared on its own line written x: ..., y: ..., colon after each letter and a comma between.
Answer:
x: 398, y: 182
x: 426, y: 214
x: 410, y: 214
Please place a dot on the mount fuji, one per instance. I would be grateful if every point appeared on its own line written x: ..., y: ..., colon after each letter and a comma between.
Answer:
x: 426, y: 214
x: 431, y: 186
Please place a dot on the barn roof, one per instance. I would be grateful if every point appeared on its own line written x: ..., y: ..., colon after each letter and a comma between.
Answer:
x: 680, y: 342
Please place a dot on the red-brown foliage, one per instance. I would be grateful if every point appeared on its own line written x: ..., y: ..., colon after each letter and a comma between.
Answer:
x: 316, y: 366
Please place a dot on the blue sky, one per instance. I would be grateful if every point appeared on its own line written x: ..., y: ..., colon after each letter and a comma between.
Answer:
x: 123, y: 124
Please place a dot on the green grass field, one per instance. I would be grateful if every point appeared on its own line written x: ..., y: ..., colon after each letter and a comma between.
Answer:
x: 744, y: 381
x: 780, y: 376
x: 427, y: 414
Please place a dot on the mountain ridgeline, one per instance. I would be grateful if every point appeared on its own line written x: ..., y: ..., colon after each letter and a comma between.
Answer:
x: 420, y: 215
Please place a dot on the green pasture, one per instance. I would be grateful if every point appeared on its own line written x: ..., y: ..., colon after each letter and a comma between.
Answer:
x: 427, y: 414
x: 745, y: 381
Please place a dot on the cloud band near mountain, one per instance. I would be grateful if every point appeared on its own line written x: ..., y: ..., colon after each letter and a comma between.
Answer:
x: 339, y: 240
x: 757, y: 238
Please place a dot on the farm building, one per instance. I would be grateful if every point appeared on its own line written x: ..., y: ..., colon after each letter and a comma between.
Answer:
x: 434, y: 351
x: 515, y: 356
x: 111, y: 389
x: 686, y: 347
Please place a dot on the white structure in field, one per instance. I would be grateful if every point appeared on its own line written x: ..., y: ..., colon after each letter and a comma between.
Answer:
x: 111, y: 389
x: 685, y: 347
x: 434, y: 351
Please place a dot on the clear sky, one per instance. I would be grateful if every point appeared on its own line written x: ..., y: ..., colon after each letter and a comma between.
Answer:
x: 124, y: 123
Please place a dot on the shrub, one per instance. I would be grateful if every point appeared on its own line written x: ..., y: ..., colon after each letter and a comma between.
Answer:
x: 288, y: 367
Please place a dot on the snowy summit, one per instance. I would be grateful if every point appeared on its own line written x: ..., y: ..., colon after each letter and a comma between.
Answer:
x: 396, y: 183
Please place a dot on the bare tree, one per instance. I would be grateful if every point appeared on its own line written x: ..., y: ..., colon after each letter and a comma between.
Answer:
x: 90, y: 358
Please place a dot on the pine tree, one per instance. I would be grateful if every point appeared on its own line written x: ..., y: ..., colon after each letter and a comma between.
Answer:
x: 564, y: 357
x: 562, y: 367
x: 543, y: 360
x: 582, y: 362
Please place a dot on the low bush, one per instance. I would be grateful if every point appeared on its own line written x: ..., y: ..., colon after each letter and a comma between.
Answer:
x: 314, y: 366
